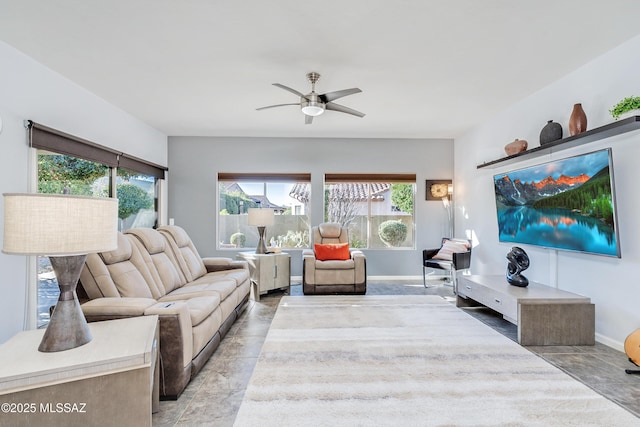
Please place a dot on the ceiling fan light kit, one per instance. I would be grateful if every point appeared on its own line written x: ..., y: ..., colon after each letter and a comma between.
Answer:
x: 314, y: 104
x: 313, y: 110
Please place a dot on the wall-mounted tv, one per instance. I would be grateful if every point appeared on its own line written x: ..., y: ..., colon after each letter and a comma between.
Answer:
x: 566, y: 204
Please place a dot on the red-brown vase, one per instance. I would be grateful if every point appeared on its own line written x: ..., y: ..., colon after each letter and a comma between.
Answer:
x: 515, y: 147
x: 578, y: 120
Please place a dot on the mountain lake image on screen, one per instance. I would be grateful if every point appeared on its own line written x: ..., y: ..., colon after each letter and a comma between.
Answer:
x: 566, y: 204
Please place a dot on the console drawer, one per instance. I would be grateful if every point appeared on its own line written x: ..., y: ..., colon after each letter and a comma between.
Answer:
x: 504, y: 304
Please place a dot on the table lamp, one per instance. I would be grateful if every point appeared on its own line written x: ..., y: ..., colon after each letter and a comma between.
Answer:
x: 65, y: 228
x: 261, y: 218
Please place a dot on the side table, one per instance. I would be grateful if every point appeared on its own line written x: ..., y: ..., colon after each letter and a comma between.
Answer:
x: 112, y: 380
x: 268, y: 271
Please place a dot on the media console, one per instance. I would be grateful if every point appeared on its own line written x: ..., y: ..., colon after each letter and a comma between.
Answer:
x: 544, y: 315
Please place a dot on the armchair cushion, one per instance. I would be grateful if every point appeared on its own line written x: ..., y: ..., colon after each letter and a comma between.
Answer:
x: 451, y: 246
x: 348, y: 264
x: 332, y: 251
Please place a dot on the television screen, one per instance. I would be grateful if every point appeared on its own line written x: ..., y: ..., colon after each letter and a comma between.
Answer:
x: 564, y: 204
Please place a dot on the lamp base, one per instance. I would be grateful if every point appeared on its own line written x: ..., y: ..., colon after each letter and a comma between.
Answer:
x: 67, y: 327
x: 261, y: 248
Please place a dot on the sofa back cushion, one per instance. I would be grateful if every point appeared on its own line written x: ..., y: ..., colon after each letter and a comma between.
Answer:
x: 161, y: 269
x: 113, y: 274
x: 185, y: 252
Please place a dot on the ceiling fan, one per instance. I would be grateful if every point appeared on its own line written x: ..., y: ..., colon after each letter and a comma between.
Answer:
x: 314, y: 104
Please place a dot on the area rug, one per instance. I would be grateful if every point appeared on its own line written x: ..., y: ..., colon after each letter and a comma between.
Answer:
x: 407, y: 361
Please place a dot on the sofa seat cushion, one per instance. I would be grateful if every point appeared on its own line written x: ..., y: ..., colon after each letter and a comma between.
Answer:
x: 187, y: 294
x: 224, y: 287
x: 200, y: 308
x: 335, y: 265
x: 238, y: 275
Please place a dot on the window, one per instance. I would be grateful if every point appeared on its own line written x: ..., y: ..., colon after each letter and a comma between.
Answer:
x: 70, y: 165
x: 377, y: 209
x: 239, y: 192
x: 61, y: 174
x: 136, y: 194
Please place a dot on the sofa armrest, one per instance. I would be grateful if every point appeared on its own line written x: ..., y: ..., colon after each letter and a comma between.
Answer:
x: 114, y: 307
x: 178, y: 336
x: 308, y: 266
x: 360, y: 265
x: 221, y: 263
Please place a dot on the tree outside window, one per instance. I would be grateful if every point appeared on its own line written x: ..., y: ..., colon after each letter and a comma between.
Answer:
x: 379, y: 215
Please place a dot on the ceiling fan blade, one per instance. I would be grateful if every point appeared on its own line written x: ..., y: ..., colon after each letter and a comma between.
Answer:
x: 332, y: 96
x: 274, y: 106
x: 341, y: 108
x: 290, y: 90
x: 308, y: 119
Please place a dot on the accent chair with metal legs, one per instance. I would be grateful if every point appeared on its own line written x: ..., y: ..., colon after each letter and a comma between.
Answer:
x: 453, y: 255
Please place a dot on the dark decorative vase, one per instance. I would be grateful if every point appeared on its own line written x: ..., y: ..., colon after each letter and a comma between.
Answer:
x: 578, y: 120
x: 552, y: 131
x: 518, y: 262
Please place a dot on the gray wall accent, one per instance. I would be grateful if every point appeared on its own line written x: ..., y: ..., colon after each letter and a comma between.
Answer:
x: 194, y: 163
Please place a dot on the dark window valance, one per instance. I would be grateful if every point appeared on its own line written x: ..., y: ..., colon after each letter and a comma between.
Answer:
x: 370, y: 177
x: 141, y: 166
x: 46, y: 138
x: 262, y: 177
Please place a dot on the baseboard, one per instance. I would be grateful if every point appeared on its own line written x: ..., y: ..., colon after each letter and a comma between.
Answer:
x: 617, y: 345
x: 298, y: 279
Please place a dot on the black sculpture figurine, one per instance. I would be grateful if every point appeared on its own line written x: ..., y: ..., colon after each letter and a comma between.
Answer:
x: 518, y: 262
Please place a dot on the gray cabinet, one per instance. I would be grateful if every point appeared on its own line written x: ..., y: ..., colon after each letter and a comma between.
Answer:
x: 543, y: 315
x: 268, y: 271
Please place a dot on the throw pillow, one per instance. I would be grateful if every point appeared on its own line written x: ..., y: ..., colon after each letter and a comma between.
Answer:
x: 332, y: 251
x: 449, y: 247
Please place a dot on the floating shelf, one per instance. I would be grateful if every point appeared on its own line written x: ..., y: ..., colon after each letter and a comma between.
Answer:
x: 612, y: 129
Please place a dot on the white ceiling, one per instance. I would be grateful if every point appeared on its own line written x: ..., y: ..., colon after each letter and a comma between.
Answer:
x: 427, y: 68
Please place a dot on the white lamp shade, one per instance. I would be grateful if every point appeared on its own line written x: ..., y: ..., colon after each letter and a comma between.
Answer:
x: 260, y: 217
x: 56, y: 225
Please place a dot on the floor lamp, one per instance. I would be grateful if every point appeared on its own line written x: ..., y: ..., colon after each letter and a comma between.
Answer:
x: 447, y: 202
x: 65, y: 228
x: 261, y: 218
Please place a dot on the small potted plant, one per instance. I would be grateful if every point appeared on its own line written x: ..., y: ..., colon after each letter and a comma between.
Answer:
x: 628, y: 104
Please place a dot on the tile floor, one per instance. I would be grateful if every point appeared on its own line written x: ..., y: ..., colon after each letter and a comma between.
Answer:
x: 214, y: 396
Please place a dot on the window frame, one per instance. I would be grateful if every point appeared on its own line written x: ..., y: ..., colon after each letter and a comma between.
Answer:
x: 265, y: 179
x: 391, y: 178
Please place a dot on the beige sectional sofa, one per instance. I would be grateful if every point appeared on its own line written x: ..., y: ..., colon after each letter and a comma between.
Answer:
x: 160, y: 272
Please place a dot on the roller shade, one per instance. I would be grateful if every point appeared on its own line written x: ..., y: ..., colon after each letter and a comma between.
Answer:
x: 377, y: 177
x: 49, y: 139
x: 261, y: 177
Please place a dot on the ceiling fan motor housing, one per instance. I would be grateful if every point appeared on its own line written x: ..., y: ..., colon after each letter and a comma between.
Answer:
x: 312, y: 105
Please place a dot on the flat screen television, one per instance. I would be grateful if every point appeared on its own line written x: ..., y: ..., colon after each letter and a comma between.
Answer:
x: 566, y: 204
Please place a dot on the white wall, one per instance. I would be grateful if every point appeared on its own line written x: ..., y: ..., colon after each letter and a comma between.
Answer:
x: 195, y: 162
x: 30, y: 91
x: 611, y: 283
